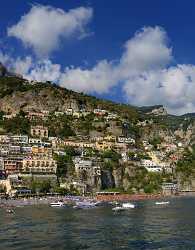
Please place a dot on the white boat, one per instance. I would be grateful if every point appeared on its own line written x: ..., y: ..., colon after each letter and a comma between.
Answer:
x: 118, y: 209
x: 128, y: 205
x: 85, y: 204
x: 162, y: 202
x: 125, y: 206
x: 10, y: 211
x: 114, y: 203
x: 57, y: 204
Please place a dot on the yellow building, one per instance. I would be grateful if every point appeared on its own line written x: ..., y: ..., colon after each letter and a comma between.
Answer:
x: 103, y: 145
x: 41, y: 150
x: 39, y: 165
x: 110, y: 138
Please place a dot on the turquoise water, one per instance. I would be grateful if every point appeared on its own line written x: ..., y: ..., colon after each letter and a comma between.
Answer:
x: 146, y: 227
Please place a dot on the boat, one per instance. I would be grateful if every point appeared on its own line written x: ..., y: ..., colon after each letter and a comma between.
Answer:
x: 125, y: 206
x: 85, y: 204
x: 162, y: 202
x: 57, y: 204
x: 114, y: 203
x: 128, y: 205
x: 118, y: 209
x: 10, y: 211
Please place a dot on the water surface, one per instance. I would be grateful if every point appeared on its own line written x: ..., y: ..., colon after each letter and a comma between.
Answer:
x: 146, y: 227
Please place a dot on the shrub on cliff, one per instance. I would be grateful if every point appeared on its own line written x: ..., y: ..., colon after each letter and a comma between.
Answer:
x: 17, y: 125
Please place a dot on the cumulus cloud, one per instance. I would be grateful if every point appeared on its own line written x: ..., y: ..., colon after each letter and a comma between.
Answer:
x: 143, y: 72
x: 22, y: 66
x: 43, y: 27
x: 4, y: 58
x: 44, y: 71
x: 147, y: 50
x: 97, y: 80
x: 172, y: 87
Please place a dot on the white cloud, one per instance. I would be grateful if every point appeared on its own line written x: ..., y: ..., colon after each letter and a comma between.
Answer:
x: 142, y: 72
x: 99, y: 79
x: 44, y: 71
x: 147, y: 50
x: 43, y: 27
x: 172, y: 87
x: 22, y: 66
x: 4, y: 58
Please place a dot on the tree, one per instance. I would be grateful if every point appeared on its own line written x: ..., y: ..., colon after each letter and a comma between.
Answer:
x: 64, y: 163
x: 17, y: 125
x: 113, y: 155
x: 45, y: 186
x: 155, y: 141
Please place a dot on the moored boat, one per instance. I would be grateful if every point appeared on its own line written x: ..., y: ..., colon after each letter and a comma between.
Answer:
x: 57, y: 204
x: 125, y: 206
x: 128, y: 205
x: 10, y: 211
x: 162, y: 202
x: 118, y: 209
x: 85, y: 204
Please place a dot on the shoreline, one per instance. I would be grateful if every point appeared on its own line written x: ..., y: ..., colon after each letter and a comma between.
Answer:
x: 69, y: 200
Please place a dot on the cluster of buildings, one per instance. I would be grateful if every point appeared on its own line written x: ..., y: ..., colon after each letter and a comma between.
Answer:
x: 44, y: 114
x: 22, y: 155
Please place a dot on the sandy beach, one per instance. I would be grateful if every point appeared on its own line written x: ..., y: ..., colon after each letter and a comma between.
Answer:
x: 129, y: 197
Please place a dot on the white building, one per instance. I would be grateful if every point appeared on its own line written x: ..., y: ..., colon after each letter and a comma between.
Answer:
x: 124, y: 156
x: 69, y: 111
x: 19, y: 139
x: 99, y: 111
x: 86, y: 165
x: 4, y: 139
x: 35, y: 141
x: 111, y: 116
x: 26, y: 149
x: 1, y: 163
x: 58, y: 113
x: 129, y: 140
x: 151, y: 166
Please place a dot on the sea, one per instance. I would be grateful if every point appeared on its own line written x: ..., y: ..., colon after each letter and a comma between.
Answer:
x: 148, y: 226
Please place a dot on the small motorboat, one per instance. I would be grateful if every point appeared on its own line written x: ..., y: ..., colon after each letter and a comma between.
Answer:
x: 114, y: 203
x: 57, y: 204
x: 85, y: 204
x: 10, y: 211
x: 125, y: 206
x: 162, y: 202
x: 128, y: 205
x: 118, y: 209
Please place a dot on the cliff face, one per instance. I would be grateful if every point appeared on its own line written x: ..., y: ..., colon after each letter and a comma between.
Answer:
x: 17, y: 93
x: 107, y: 179
x: 39, y: 100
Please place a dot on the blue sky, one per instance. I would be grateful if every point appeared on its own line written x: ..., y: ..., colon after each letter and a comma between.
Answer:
x: 138, y: 52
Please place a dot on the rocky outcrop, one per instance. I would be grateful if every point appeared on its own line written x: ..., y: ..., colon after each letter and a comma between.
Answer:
x: 44, y: 99
x: 107, y: 179
x: 118, y: 177
x: 160, y: 111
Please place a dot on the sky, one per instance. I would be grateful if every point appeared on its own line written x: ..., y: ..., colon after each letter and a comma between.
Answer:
x: 131, y: 51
